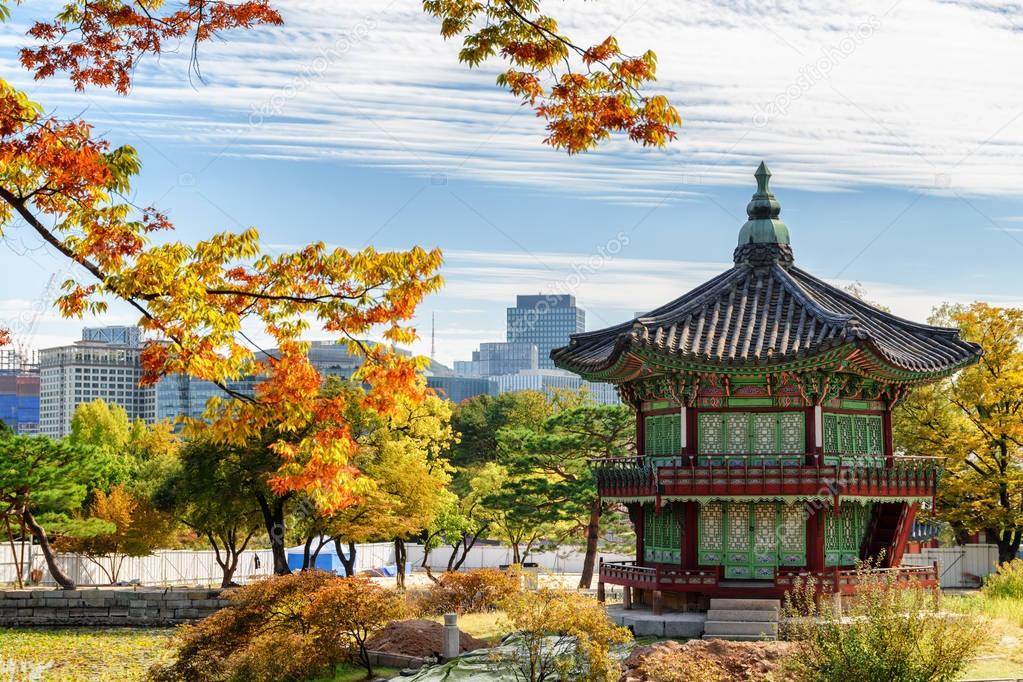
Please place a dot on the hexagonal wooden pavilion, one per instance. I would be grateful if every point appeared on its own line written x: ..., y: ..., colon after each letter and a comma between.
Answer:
x: 763, y: 406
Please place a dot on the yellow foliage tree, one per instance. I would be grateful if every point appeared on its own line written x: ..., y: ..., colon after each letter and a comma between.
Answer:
x: 563, y: 636
x: 975, y: 420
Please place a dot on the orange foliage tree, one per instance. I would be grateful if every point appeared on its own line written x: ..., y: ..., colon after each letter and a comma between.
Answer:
x: 69, y: 187
x: 584, y: 92
x: 66, y: 186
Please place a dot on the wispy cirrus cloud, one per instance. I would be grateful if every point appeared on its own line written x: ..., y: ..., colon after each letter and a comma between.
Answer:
x: 837, y: 95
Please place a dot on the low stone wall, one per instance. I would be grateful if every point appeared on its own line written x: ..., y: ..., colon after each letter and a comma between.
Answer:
x: 107, y: 606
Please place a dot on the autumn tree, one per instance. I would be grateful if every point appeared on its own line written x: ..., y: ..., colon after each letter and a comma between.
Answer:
x: 70, y: 188
x: 44, y: 480
x: 585, y: 93
x: 550, y: 465
x: 562, y: 636
x: 347, y: 613
x: 975, y: 420
x: 130, y: 528
x: 401, y: 476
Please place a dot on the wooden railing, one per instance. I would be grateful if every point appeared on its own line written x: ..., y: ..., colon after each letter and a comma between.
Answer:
x: 628, y: 573
x: 832, y: 474
x: 656, y: 577
x: 846, y: 580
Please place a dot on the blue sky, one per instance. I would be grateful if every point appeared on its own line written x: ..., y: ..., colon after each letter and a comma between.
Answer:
x: 894, y: 131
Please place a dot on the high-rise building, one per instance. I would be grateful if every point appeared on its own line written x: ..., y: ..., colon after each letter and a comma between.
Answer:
x: 19, y: 391
x: 546, y: 321
x: 89, y: 370
x: 506, y: 358
x: 118, y: 335
x: 549, y: 380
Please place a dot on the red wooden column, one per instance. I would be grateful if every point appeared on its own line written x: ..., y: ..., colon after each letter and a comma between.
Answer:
x: 886, y: 436
x: 815, y: 536
x: 690, y: 553
x: 637, y: 512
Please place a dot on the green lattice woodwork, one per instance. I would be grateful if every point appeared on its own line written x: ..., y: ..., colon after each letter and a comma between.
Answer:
x: 844, y: 534
x: 751, y: 539
x: 855, y: 434
x: 754, y: 433
x: 662, y: 435
x: 662, y: 535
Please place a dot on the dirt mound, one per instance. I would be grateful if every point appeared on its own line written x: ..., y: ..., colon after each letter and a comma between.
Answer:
x: 417, y: 638
x: 740, y: 661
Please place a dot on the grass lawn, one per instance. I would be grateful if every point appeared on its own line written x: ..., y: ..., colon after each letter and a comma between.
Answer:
x: 353, y: 673
x: 81, y: 654
x: 1002, y: 656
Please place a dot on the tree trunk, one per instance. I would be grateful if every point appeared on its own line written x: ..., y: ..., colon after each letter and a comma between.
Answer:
x: 347, y: 561
x: 592, y: 536
x: 273, y: 519
x: 460, y: 550
x: 400, y: 559
x: 44, y: 544
x: 1008, y: 542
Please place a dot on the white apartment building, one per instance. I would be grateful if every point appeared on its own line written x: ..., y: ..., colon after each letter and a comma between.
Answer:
x: 90, y: 370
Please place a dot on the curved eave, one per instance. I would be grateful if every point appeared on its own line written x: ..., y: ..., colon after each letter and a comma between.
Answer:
x: 631, y: 360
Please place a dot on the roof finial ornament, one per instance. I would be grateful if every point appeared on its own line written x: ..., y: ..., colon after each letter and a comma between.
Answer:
x: 764, y: 238
x: 763, y: 176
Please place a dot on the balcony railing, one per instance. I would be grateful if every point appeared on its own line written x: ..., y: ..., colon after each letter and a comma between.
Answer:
x: 846, y: 581
x: 731, y: 474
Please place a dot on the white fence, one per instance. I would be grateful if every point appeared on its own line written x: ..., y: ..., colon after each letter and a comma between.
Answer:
x: 188, y: 567
x: 958, y: 567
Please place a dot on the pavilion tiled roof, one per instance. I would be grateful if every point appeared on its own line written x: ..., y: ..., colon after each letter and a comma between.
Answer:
x: 765, y: 311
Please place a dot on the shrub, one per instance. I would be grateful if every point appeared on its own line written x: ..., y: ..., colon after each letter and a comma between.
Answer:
x: 1006, y: 582
x: 887, y: 632
x: 564, y: 636
x: 677, y: 665
x: 473, y: 591
x: 281, y: 630
x: 347, y: 613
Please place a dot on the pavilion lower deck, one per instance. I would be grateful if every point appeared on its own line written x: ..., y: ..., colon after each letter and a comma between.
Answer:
x: 684, y: 590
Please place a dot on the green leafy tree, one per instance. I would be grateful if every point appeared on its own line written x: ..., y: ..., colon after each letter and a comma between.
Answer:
x: 204, y: 494
x: 45, y: 481
x: 466, y: 515
x: 478, y: 420
x: 549, y: 467
x: 975, y: 420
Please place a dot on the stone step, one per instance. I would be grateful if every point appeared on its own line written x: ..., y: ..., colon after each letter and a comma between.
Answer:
x: 745, y: 604
x: 741, y: 638
x: 759, y: 615
x: 728, y: 627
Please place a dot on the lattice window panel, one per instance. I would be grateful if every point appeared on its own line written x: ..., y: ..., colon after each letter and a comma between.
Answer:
x: 845, y: 434
x: 792, y: 436
x: 858, y: 434
x: 763, y: 433
x: 875, y: 436
x: 663, y: 434
x: 737, y: 432
x: 712, y: 535
x: 764, y: 524
x: 792, y: 535
x: 711, y: 433
x: 831, y: 440
x: 843, y: 534
x: 738, y: 516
